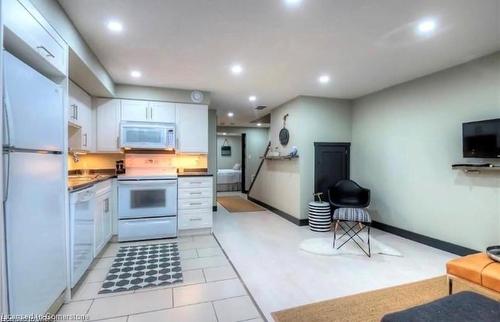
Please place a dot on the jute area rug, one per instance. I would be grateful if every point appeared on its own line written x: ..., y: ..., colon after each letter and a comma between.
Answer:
x: 370, y: 306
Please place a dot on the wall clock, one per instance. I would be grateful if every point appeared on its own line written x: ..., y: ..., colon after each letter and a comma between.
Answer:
x: 284, y: 134
x: 197, y: 96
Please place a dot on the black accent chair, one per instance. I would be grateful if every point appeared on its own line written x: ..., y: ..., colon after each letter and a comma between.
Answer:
x: 348, y: 201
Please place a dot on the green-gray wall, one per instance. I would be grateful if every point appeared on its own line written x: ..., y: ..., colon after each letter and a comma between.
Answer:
x: 405, y: 140
x: 228, y: 161
x: 289, y: 185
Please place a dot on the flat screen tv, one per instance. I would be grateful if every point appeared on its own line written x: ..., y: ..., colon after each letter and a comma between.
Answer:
x: 481, y: 139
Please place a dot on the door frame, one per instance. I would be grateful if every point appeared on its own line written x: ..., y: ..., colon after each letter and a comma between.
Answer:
x: 243, y: 162
x: 346, y: 145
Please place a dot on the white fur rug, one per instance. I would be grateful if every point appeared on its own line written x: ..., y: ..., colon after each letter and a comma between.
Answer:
x: 324, y: 246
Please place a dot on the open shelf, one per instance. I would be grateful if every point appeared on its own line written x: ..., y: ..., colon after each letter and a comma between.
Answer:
x: 475, y: 169
x: 281, y: 157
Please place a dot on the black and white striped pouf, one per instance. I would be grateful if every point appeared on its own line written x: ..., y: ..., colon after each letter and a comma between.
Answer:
x: 319, y: 216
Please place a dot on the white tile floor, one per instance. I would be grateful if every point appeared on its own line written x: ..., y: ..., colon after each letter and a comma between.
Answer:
x: 211, y: 290
x: 264, y: 249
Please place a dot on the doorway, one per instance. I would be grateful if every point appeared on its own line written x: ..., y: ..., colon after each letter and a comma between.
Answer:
x: 331, y: 164
x: 230, y: 162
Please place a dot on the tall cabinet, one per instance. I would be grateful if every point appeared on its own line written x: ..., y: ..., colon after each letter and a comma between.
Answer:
x: 108, y: 124
x: 192, y: 128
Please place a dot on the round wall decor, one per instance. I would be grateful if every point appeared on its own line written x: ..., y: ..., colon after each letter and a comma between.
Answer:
x: 197, y: 96
x: 284, y: 135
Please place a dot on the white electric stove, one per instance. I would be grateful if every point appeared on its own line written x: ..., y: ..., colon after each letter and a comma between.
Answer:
x: 147, y: 198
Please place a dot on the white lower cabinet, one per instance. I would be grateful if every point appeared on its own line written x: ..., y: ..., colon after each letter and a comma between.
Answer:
x: 194, y: 204
x: 103, y: 219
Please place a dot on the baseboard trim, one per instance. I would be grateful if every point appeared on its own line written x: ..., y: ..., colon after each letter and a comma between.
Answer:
x: 422, y: 239
x: 214, y: 208
x: 290, y: 218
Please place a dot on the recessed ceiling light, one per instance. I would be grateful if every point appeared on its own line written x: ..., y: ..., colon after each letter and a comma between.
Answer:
x: 323, y: 79
x: 115, y: 26
x: 426, y: 26
x: 292, y: 3
x: 224, y: 133
x: 236, y: 69
x: 230, y: 114
x: 135, y: 74
x: 259, y: 124
x: 252, y: 98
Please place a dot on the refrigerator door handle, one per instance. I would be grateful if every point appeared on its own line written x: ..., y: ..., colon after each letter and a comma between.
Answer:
x: 6, y: 175
x: 7, y: 112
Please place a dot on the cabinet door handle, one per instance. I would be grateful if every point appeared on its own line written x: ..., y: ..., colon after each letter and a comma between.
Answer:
x: 195, y: 182
x: 85, y: 140
x: 48, y: 53
x: 195, y: 219
x: 151, y: 112
x: 195, y: 203
x: 73, y: 111
x: 195, y: 193
x: 147, y: 114
x: 106, y: 205
x: 118, y: 142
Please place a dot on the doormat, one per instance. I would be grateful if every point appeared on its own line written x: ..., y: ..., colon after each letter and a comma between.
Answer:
x: 142, y: 266
x: 238, y: 204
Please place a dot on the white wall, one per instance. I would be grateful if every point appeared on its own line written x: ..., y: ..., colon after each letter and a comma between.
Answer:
x: 405, y: 140
x: 227, y: 162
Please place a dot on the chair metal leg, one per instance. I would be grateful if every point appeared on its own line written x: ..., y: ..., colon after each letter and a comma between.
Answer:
x: 335, y: 234
x: 353, y: 233
x: 369, y: 246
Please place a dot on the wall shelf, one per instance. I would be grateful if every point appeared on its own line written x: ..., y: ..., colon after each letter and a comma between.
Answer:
x: 476, y: 169
x: 281, y: 157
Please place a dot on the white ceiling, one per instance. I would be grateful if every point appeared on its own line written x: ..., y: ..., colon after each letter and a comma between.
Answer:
x: 364, y: 45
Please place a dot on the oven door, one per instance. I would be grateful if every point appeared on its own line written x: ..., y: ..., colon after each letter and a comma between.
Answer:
x: 141, y: 135
x: 147, y: 198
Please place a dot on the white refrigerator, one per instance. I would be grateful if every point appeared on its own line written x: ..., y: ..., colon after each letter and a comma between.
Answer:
x: 33, y: 188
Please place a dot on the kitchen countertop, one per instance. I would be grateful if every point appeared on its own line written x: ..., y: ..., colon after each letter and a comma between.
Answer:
x: 76, y: 183
x: 80, y: 182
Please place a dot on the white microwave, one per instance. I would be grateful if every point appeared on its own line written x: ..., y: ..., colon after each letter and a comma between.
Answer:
x: 146, y: 135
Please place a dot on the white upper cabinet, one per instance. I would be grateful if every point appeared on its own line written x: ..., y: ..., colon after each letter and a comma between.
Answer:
x: 80, y: 114
x: 133, y: 110
x: 26, y: 35
x: 144, y: 111
x: 108, y: 124
x: 192, y: 128
x: 162, y: 112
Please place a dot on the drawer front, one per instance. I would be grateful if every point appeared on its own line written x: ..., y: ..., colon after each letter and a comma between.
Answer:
x: 189, y: 193
x: 150, y: 228
x: 195, y: 203
x: 195, y: 182
x: 195, y: 219
x: 24, y: 25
